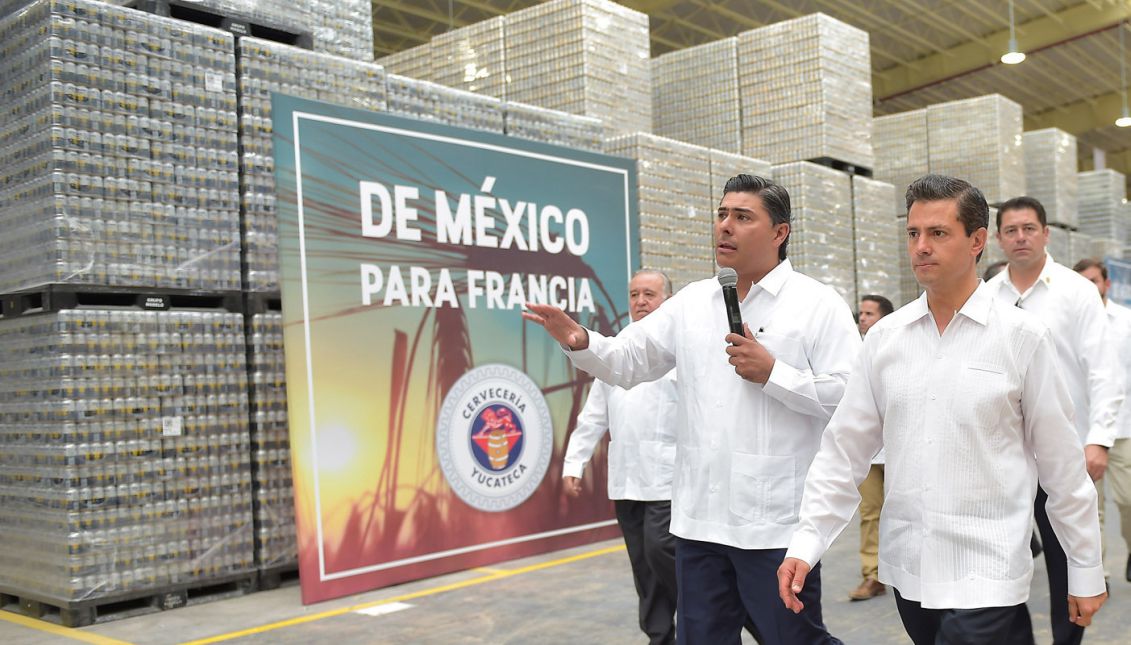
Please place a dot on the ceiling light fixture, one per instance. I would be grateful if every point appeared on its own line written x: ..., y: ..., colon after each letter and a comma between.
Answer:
x: 1124, y: 119
x: 1014, y: 55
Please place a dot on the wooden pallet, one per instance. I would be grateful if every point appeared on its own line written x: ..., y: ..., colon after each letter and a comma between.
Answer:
x: 80, y: 613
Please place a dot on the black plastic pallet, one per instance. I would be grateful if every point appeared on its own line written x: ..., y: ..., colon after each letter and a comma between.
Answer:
x: 277, y: 576
x: 262, y: 302
x: 53, y: 298
x: 234, y: 22
x: 81, y: 613
x: 842, y: 166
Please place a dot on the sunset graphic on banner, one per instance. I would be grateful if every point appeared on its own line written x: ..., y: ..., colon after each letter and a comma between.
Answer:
x: 406, y: 250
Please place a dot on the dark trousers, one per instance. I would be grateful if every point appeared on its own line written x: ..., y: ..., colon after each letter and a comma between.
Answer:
x: 1064, y: 632
x: 651, y: 552
x: 985, y: 626
x: 721, y: 586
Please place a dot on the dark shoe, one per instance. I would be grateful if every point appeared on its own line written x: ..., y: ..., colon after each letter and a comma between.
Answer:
x: 870, y: 588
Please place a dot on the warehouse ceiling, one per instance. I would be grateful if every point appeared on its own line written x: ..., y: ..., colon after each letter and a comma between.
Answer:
x: 923, y: 51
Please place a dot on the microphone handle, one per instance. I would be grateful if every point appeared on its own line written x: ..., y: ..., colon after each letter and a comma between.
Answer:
x: 734, y: 314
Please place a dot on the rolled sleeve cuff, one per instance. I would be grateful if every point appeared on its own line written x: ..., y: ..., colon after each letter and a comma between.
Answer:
x: 1101, y: 436
x: 807, y: 547
x: 1085, y: 582
x: 586, y: 358
x: 573, y: 469
x: 783, y: 380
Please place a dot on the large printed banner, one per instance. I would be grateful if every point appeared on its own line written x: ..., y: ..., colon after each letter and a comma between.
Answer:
x: 427, y: 419
x: 1119, y: 271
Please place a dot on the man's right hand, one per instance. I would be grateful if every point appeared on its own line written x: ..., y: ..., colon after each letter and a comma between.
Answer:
x: 560, y: 326
x: 791, y: 580
x: 1096, y: 459
x: 572, y: 486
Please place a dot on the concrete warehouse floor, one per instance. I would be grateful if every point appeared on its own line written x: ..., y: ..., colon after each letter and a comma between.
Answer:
x: 581, y: 595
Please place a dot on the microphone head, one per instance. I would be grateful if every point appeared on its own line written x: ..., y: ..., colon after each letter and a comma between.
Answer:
x: 728, y: 277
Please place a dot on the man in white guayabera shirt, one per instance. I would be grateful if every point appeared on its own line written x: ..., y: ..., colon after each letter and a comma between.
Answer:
x: 642, y: 427
x: 1065, y: 302
x: 752, y: 409
x: 963, y: 393
x: 1118, y: 472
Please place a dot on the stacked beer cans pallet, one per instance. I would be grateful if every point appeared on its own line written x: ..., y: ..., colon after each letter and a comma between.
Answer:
x: 586, y: 57
x: 811, y: 97
x: 725, y: 165
x: 674, y: 203
x: 695, y: 95
x: 821, y: 238
x: 524, y: 121
x: 124, y: 455
x: 876, y: 242
x: 275, y: 541
x: 791, y: 91
x: 1102, y: 212
x: 471, y: 58
x: 120, y: 155
x: 428, y: 101
x: 900, y: 143
x: 1050, y: 174
x: 979, y: 140
x: 340, y: 27
x: 414, y: 62
x: 266, y: 67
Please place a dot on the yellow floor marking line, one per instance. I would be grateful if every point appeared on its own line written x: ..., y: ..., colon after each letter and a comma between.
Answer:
x: 404, y: 597
x: 52, y: 628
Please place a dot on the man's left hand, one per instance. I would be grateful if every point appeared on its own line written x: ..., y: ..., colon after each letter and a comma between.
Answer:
x: 1081, y: 609
x: 1096, y: 456
x: 751, y: 360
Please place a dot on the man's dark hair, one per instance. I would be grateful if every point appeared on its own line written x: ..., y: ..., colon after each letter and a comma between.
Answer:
x: 994, y: 269
x: 774, y: 197
x: 1089, y: 263
x: 973, y: 211
x: 885, y: 305
x: 1022, y: 203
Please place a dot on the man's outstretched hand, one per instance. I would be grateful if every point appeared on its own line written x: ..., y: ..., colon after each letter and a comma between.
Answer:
x: 560, y: 326
x: 791, y: 580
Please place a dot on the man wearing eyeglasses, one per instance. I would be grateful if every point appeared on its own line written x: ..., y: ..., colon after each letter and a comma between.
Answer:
x: 1066, y: 302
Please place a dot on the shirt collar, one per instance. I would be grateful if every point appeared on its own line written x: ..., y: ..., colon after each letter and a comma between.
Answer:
x: 773, y: 281
x: 976, y: 307
x: 1045, y: 278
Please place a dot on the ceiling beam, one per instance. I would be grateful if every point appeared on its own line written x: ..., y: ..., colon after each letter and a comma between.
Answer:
x: 1069, y: 23
x: 1079, y: 117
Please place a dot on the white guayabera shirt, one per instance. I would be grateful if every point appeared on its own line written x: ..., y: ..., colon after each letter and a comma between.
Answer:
x: 742, y: 448
x: 641, y: 423
x: 969, y: 420
x: 1119, y: 325
x: 1067, y: 303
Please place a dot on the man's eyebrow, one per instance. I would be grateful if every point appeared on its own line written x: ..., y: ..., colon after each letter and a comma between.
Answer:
x: 735, y: 208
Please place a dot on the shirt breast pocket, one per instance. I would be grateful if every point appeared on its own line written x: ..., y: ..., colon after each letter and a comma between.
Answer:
x: 785, y: 348
x: 983, y: 392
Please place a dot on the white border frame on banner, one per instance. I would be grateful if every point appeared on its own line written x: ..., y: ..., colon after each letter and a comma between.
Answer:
x: 296, y: 118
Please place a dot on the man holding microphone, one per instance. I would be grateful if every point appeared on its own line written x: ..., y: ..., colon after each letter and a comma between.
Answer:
x: 752, y: 409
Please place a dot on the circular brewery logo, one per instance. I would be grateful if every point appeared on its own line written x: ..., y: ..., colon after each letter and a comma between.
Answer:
x: 494, y: 437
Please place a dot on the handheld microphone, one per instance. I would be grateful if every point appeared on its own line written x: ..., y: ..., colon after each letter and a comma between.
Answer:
x: 728, y: 278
